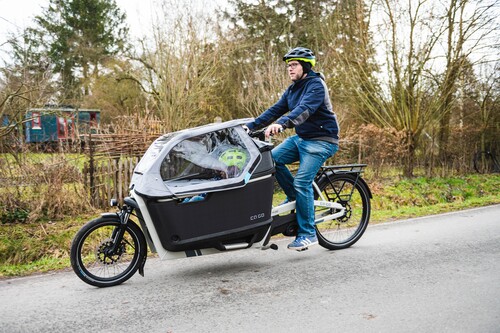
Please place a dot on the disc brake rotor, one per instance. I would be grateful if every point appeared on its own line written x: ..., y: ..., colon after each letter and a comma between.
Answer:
x: 105, y: 257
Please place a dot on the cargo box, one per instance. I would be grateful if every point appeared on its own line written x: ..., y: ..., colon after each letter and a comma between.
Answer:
x: 197, y: 186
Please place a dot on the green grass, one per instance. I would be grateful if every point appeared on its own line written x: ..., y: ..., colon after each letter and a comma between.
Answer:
x: 36, y: 247
x: 43, y: 265
x: 44, y: 246
x: 76, y: 160
x: 426, y: 196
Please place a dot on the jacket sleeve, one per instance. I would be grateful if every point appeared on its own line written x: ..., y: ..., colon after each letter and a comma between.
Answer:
x: 310, y: 101
x: 271, y: 114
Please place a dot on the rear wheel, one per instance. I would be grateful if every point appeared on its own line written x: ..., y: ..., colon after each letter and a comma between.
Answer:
x: 91, y: 256
x: 353, y: 195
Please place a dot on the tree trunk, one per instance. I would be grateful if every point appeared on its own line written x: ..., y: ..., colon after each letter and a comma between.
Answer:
x: 410, y: 142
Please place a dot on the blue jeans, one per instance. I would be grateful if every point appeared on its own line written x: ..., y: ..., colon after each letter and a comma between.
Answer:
x: 311, y: 155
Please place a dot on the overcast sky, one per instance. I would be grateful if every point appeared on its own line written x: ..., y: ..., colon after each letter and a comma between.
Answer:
x: 15, y: 15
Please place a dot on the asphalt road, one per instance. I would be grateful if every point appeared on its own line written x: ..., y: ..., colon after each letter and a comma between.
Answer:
x: 433, y: 274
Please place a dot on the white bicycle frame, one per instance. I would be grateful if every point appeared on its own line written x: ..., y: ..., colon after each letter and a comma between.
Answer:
x: 284, y: 208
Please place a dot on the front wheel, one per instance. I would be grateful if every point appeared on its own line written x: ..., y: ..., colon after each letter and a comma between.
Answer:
x: 353, y: 195
x: 92, y: 258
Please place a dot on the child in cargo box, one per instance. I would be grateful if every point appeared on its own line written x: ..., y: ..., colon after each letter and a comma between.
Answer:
x: 234, y: 159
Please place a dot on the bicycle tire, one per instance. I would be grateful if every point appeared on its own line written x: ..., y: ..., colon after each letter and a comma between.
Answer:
x: 93, y: 265
x: 343, y: 232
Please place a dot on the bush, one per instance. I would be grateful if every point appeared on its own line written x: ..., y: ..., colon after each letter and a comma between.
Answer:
x: 40, y: 187
x: 379, y: 148
x: 13, y: 213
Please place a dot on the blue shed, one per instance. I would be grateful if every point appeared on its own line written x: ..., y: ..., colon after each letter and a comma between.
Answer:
x: 54, y: 124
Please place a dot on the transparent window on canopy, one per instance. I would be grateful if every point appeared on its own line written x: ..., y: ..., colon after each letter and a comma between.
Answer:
x: 212, y: 157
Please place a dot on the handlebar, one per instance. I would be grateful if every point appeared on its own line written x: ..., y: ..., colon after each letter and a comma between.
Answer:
x: 260, y: 134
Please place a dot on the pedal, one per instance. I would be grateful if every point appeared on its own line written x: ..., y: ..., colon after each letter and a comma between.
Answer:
x: 270, y: 246
x: 302, y: 250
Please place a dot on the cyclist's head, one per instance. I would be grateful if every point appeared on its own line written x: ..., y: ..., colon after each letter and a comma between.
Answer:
x: 303, y: 55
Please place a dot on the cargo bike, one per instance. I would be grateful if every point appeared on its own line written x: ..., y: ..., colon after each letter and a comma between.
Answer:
x: 209, y: 190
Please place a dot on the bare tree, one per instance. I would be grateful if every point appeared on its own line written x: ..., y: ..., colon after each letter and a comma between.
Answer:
x: 179, y: 64
x: 404, y: 101
x: 470, y: 27
x: 488, y: 100
x: 20, y: 89
x: 418, y: 82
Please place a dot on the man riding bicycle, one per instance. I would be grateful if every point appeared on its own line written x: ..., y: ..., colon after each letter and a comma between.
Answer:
x: 305, y: 105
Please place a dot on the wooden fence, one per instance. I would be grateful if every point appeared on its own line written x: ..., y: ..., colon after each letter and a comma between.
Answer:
x: 111, y: 162
x: 105, y: 179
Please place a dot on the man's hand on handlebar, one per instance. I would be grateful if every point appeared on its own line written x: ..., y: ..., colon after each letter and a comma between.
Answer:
x: 264, y: 133
x: 273, y: 129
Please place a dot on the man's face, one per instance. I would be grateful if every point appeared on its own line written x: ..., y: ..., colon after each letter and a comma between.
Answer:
x: 295, y: 70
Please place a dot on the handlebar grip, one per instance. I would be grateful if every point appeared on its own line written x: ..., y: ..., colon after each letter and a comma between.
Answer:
x: 260, y: 134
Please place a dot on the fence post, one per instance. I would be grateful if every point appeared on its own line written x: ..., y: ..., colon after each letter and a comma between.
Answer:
x: 91, y: 171
x: 109, y: 184
x: 120, y: 179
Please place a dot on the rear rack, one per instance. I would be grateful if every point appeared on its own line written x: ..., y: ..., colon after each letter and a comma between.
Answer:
x: 344, y: 168
x: 350, y: 170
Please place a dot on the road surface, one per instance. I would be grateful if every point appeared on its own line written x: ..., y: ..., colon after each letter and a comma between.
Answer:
x: 435, y: 274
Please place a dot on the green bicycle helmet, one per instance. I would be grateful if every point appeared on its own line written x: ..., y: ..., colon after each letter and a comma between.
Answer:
x: 300, y: 54
x: 234, y: 157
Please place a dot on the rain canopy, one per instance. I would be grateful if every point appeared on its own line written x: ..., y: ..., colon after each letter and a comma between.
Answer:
x: 208, y: 158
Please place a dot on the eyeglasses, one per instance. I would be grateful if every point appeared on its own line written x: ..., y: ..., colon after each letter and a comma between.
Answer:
x: 292, y: 65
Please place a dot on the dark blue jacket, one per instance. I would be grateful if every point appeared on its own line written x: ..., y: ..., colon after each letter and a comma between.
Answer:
x: 305, y: 105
